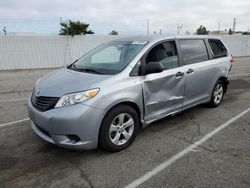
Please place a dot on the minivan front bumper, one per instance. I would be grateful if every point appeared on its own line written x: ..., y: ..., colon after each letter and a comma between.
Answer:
x: 72, y: 127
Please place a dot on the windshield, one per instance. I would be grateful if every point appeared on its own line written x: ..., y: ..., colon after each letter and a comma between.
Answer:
x: 109, y: 58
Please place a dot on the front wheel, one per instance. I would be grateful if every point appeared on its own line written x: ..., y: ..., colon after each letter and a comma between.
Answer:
x: 119, y: 128
x: 218, y: 94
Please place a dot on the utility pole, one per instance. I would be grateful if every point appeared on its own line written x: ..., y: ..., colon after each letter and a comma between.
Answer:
x: 60, y: 21
x: 5, y: 31
x: 160, y: 32
x: 147, y: 27
x: 66, y: 50
x: 219, y: 28
x: 234, y: 26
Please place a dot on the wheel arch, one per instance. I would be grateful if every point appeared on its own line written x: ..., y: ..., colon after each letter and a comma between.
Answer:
x: 225, y: 82
x: 128, y: 103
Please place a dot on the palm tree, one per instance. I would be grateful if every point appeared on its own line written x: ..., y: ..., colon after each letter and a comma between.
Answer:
x: 74, y: 28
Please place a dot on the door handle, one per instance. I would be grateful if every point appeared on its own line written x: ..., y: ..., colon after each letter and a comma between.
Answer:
x: 179, y: 75
x: 190, y: 71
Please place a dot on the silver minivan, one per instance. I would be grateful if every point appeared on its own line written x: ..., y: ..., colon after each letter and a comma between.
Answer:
x: 107, y: 95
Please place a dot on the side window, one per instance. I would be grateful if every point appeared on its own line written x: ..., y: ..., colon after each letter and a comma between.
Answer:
x: 193, y: 51
x: 164, y: 53
x: 218, y: 49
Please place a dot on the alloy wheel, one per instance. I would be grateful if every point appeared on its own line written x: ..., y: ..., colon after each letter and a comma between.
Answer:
x: 121, y: 129
x: 218, y: 93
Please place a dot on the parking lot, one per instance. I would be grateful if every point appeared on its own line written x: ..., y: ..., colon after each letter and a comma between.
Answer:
x: 220, y: 160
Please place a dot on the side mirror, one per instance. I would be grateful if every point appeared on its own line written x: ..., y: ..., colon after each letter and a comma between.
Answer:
x: 153, y: 67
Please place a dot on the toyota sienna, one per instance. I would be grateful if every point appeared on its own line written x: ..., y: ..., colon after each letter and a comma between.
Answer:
x: 107, y: 95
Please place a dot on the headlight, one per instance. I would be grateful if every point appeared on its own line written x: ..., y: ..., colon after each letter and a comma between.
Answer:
x: 75, y: 98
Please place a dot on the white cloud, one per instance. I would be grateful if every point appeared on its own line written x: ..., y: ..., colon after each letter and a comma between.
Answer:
x: 129, y: 16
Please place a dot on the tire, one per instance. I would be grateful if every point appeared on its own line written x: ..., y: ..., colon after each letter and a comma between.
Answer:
x: 218, y: 94
x: 119, y: 128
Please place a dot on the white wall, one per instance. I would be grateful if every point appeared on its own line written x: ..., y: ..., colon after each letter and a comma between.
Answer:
x: 25, y: 52
x: 29, y: 52
x: 239, y: 45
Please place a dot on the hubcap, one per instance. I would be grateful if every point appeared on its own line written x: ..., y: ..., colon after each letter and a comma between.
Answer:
x: 218, y: 93
x: 121, y: 129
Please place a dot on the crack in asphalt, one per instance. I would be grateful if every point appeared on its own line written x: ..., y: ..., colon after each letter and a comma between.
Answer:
x: 198, y: 132
x: 185, y: 140
x: 82, y: 174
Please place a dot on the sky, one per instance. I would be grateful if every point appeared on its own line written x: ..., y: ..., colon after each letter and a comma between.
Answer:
x: 125, y: 16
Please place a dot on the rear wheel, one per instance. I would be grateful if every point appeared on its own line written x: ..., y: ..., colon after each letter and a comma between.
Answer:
x: 119, y: 128
x: 218, y: 94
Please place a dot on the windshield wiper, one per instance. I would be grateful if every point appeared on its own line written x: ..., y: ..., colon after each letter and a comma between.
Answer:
x: 86, y: 70
x: 90, y: 70
x: 74, y: 67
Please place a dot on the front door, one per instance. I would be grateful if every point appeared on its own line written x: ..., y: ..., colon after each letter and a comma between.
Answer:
x: 163, y: 92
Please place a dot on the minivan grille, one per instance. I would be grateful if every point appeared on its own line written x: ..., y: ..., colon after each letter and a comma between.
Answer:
x: 43, y: 103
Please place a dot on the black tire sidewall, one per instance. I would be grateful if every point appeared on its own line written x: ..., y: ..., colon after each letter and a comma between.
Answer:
x: 104, y: 139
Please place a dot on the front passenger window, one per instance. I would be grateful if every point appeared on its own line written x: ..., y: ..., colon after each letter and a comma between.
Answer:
x: 164, y: 53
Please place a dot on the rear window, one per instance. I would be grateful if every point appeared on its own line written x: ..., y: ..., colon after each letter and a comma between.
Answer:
x: 193, y: 51
x: 218, y: 49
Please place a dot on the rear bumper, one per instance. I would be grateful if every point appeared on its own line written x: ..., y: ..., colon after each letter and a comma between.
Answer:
x: 72, y: 127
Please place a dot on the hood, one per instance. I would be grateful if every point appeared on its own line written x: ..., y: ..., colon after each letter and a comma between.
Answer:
x: 63, y: 81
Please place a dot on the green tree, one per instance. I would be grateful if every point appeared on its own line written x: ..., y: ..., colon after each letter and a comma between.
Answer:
x: 246, y: 33
x: 74, y: 28
x: 113, y: 32
x: 202, y: 30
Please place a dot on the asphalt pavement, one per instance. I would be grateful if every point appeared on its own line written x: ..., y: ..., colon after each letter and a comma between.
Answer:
x: 222, y: 160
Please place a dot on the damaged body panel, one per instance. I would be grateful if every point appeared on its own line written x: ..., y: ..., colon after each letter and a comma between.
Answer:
x: 163, y: 93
